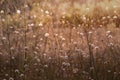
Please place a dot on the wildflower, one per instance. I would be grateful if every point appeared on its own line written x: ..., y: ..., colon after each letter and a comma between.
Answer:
x: 74, y: 42
x: 47, y: 12
x: 34, y: 16
x: 35, y: 64
x: 63, y: 39
x: 115, y: 72
x: 16, y: 71
x: 115, y: 17
x: 104, y: 17
x: 40, y: 24
x: 45, y: 54
x: 1, y: 53
x: 84, y: 17
x: 38, y: 60
x: 4, y: 38
x: 109, y: 36
x: 41, y: 10
x: 66, y: 56
x: 91, y: 68
x: 34, y: 36
x: 32, y: 24
x: 111, y: 44
x: 84, y: 72
x: 2, y: 11
x: 109, y: 71
x: 63, y: 44
x: 96, y: 47
x: 35, y: 52
x: 74, y: 28
x: 21, y: 75
x: 90, y: 32
x: 37, y: 69
x: 63, y: 16
x: 13, y: 57
x: 66, y: 64
x: 41, y: 39
x: 6, y: 74
x: 46, y: 34
x: 81, y: 34
x: 75, y: 70
x: 3, y: 20
x: 46, y: 65
x: 108, y: 17
x: 56, y: 34
x: 25, y: 65
x: 11, y: 78
x: 16, y: 32
x: 18, y: 11
x: 12, y: 48
x: 49, y: 58
x: 108, y: 32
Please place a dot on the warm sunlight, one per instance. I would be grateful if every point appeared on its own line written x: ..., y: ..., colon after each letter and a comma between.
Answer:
x: 59, y: 39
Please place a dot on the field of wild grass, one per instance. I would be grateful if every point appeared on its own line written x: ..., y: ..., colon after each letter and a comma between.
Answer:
x: 59, y: 40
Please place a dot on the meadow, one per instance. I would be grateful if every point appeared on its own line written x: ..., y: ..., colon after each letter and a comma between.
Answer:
x: 59, y: 40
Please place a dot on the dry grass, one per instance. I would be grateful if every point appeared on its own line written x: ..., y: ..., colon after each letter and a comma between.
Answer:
x: 45, y: 40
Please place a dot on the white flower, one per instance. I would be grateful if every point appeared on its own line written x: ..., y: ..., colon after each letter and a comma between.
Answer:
x: 12, y: 48
x: 47, y: 12
x: 3, y: 20
x: 6, y: 74
x: 13, y: 57
x: 109, y: 71
x: 75, y: 70
x: 16, y: 32
x: 18, y: 11
x: 21, y: 75
x: 91, y: 68
x: 56, y: 34
x: 32, y: 24
x: 115, y: 17
x: 104, y: 17
x: 34, y: 36
x: 108, y: 16
x: 84, y: 17
x: 46, y: 34
x: 108, y: 32
x: 63, y: 39
x: 96, y: 47
x: 90, y: 32
x: 4, y: 38
x: 2, y: 11
x: 46, y: 65
x: 1, y: 53
x: 40, y: 24
x: 41, y: 10
x: 17, y: 71
x: 34, y: 16
x: 111, y: 44
x: 11, y: 78
x: 110, y: 36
